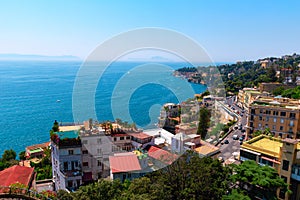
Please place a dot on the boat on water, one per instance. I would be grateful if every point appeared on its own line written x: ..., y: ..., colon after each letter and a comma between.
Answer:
x: 57, y: 100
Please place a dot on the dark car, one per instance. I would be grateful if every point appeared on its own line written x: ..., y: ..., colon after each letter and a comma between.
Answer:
x: 226, y: 142
x: 241, y: 142
x: 241, y: 138
x: 243, y: 130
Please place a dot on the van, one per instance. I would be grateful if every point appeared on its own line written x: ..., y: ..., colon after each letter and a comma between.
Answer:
x: 235, y: 137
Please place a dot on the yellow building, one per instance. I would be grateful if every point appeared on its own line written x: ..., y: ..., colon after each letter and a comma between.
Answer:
x: 281, y: 154
x: 247, y: 95
x: 280, y: 115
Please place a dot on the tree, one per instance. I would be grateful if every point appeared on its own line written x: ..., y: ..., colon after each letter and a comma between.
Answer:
x: 55, y: 127
x: 257, y: 180
x: 204, y: 122
x: 8, y: 155
x: 22, y: 155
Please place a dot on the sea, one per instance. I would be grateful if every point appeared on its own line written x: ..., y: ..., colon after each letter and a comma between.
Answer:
x: 35, y: 93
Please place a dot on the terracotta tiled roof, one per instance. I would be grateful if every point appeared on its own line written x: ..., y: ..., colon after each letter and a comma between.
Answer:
x: 16, y: 174
x: 43, y: 145
x: 161, y: 155
x: 140, y: 135
x: 124, y: 163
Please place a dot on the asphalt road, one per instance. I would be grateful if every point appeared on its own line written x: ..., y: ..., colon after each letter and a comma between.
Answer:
x: 233, y: 145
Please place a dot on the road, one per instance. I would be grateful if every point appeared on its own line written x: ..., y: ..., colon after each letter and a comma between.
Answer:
x: 233, y: 145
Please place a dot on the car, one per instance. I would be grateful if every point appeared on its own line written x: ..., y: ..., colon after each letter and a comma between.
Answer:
x: 235, y: 137
x: 243, y: 130
x: 221, y: 159
x: 241, y: 138
x: 241, y: 142
x: 226, y: 142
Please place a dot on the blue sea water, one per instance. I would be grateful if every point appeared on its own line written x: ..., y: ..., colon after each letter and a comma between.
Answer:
x: 29, y: 91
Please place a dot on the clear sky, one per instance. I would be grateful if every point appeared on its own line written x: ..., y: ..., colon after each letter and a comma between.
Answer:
x: 228, y: 30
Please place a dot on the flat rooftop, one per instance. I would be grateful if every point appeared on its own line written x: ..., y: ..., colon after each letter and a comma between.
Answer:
x: 206, y: 149
x: 265, y: 145
x: 69, y: 128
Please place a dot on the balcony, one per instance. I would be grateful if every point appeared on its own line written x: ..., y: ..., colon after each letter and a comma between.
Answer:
x: 71, y: 173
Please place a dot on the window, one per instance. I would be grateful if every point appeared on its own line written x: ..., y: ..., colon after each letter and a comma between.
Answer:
x: 84, y: 141
x: 115, y: 139
x: 268, y: 112
x: 247, y: 155
x: 259, y: 125
x: 282, y: 114
x: 252, y: 111
x: 267, y: 126
x: 99, y: 151
x: 274, y: 127
x: 285, y: 165
x: 85, y: 152
x: 99, y: 140
x: 121, y: 138
x: 71, y: 152
x: 275, y: 119
x: 291, y: 123
x: 281, y: 128
x: 292, y: 115
x: 282, y: 121
x: 275, y: 112
x: 127, y: 137
x: 260, y: 117
x: 99, y: 163
x: 267, y: 118
x: 66, y: 166
x: 261, y: 110
x: 70, y: 183
x: 85, y: 164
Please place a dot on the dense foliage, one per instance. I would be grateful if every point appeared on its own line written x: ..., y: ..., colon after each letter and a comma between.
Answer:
x: 204, y: 122
x: 8, y: 159
x: 251, y: 73
x: 44, y: 167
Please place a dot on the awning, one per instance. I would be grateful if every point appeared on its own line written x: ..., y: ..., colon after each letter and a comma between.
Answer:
x: 271, y: 160
x: 256, y: 153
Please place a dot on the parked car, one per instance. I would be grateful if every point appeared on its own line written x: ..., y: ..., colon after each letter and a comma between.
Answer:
x: 241, y: 142
x: 241, y: 138
x: 226, y: 142
x: 235, y: 137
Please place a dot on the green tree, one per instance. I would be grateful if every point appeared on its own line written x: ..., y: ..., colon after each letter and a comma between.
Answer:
x: 22, y: 155
x: 55, y: 127
x: 9, y: 155
x: 204, y: 122
x: 257, y: 180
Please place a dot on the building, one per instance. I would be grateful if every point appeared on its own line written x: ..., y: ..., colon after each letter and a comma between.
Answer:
x: 18, y: 174
x: 280, y: 115
x: 270, y: 87
x: 281, y: 154
x: 160, y: 157
x: 36, y: 151
x: 96, y: 149
x: 247, y: 95
x: 66, y: 160
x: 182, y: 142
x: 170, y: 116
x: 124, y: 166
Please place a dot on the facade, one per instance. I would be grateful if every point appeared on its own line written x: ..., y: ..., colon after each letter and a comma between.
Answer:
x: 281, y: 154
x: 66, y: 160
x: 96, y: 148
x: 280, y: 115
x: 270, y: 87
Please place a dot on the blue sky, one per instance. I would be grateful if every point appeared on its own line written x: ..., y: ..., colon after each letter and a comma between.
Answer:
x: 228, y: 30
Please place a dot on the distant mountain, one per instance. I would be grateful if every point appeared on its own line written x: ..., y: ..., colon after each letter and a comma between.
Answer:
x: 24, y: 57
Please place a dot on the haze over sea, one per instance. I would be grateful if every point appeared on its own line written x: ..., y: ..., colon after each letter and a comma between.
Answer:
x: 29, y: 91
